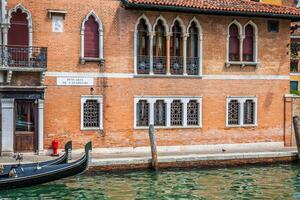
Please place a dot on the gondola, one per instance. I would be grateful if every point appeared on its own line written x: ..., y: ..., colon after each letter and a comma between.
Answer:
x: 29, y: 176
x: 4, y: 169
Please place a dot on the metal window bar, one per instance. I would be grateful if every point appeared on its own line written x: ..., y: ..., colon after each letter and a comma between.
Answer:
x: 159, y: 65
x: 142, y: 113
x: 249, y: 112
x: 176, y: 113
x: 143, y: 64
x: 21, y: 56
x: 192, y: 67
x: 160, y: 113
x: 176, y: 64
x: 91, y: 114
x: 233, y: 112
x: 193, y: 113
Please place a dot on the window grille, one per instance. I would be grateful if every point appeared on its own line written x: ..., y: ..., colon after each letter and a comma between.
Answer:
x: 160, y: 113
x: 249, y: 112
x: 143, y: 113
x: 233, y: 112
x: 91, y: 114
x: 176, y: 113
x: 193, y: 113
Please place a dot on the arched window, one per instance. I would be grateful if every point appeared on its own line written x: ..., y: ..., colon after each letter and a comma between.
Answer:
x: 143, y: 48
x: 91, y: 38
x: 176, y: 49
x: 19, y: 38
x: 18, y: 33
x: 248, y: 44
x: 234, y: 43
x: 192, y: 50
x: 159, y: 49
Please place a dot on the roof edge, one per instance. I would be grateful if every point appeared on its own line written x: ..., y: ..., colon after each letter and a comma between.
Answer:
x: 208, y: 12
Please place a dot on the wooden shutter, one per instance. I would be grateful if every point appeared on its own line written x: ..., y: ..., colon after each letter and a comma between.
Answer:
x: 234, y: 43
x: 18, y: 33
x: 91, y: 38
x: 248, y: 46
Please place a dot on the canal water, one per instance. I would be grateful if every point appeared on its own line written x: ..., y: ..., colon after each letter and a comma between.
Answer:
x: 272, y: 182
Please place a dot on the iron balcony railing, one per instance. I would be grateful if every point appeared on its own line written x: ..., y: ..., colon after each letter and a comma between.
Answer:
x: 23, y: 56
x: 159, y: 65
x: 176, y: 65
x: 192, y: 66
x: 143, y: 64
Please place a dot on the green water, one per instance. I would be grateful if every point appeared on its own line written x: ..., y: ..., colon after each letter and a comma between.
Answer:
x: 273, y: 182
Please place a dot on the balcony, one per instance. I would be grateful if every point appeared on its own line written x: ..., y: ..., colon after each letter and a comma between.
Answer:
x: 159, y: 65
x: 22, y: 58
x: 192, y: 66
x: 143, y: 64
x: 176, y: 64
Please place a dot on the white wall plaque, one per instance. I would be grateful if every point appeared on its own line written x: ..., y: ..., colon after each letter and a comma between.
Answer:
x: 75, y: 81
x: 58, y: 24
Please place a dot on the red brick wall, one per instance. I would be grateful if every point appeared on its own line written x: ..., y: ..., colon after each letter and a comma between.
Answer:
x: 62, y: 104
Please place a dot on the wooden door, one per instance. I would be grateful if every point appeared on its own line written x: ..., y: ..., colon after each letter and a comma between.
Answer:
x: 25, y: 135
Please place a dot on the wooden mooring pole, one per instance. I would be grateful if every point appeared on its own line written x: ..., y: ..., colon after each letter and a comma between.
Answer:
x: 154, y: 162
x: 296, y: 123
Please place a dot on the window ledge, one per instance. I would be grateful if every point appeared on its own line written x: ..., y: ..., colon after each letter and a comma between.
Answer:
x: 167, y: 76
x: 242, y: 126
x: 86, y: 59
x: 168, y: 127
x: 241, y: 64
x: 92, y: 129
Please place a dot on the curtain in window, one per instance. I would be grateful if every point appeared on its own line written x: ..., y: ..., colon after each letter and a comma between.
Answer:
x: 91, y: 38
x: 142, y: 113
x: 176, y: 40
x: 160, y: 113
x: 249, y: 112
x: 234, y: 43
x: 248, y: 44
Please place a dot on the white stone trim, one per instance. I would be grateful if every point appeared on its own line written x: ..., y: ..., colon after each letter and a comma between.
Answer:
x: 168, y: 100
x: 132, y: 75
x: 7, y: 109
x: 200, y: 42
x: 247, y: 77
x: 29, y: 19
x: 213, y: 148
x: 181, y: 23
x: 135, y: 50
x: 241, y: 100
x: 255, y: 45
x: 165, y: 23
x: 228, y: 37
x: 84, y: 98
x: 241, y: 38
x: 40, y: 126
x: 100, y: 30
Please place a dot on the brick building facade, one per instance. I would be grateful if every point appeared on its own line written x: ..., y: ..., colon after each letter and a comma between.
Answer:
x: 115, y: 67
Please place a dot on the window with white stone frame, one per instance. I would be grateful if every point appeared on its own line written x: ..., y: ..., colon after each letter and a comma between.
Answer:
x: 142, y: 112
x: 91, y: 112
x: 241, y: 111
x: 167, y: 112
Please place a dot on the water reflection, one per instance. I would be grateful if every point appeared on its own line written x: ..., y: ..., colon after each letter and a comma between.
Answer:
x: 273, y: 182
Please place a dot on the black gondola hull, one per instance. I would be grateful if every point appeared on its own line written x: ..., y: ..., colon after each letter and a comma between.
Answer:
x: 31, y: 176
x: 61, y: 160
